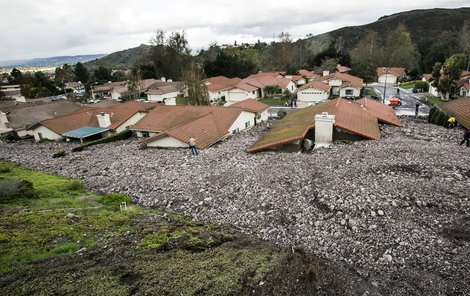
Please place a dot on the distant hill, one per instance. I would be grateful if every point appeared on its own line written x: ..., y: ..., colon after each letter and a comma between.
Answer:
x: 422, y: 24
x: 51, y: 61
x: 123, y: 59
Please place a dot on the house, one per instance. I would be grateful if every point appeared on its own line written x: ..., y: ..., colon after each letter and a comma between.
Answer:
x: 312, y: 93
x: 342, y: 84
x: 105, y: 91
x: 219, y: 86
x: 120, y: 92
x: 464, y: 85
x: 308, y: 75
x: 164, y: 92
x: 259, y: 109
x: 75, y: 87
x: 342, y: 69
x: 260, y: 74
x: 339, y: 120
x: 13, y: 92
x: 241, y: 92
x: 92, y: 122
x: 431, y: 89
x: 390, y: 75
x: 21, y: 118
x: 172, y: 126
x: 460, y: 109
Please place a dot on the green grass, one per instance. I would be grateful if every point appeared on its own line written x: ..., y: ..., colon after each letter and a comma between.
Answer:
x: 182, y: 101
x: 434, y: 101
x: 273, y: 101
x: 369, y: 92
x: 409, y: 84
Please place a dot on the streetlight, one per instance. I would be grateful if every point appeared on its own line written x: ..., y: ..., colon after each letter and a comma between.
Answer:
x: 386, y: 70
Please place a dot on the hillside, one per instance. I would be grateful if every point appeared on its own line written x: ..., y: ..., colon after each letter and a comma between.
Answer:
x: 422, y: 24
x: 51, y: 61
x: 123, y: 59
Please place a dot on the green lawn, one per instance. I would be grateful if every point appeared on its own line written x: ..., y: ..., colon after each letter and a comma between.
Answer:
x: 409, y: 84
x: 273, y: 101
x: 434, y: 101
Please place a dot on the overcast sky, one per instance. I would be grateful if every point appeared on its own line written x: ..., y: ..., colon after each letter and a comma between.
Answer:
x: 44, y: 28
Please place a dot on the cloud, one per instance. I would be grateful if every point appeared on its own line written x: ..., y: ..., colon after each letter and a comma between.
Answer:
x: 52, y: 27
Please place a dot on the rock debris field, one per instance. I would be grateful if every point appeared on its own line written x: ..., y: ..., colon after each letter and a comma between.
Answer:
x: 395, y: 211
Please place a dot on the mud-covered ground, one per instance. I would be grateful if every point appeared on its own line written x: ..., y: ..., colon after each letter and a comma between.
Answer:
x: 396, y: 210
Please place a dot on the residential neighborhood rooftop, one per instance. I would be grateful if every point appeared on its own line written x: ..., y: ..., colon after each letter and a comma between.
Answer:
x: 460, y: 109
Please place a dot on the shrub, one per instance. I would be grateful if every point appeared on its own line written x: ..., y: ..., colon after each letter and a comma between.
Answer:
x: 4, y: 169
x: 281, y: 114
x: 59, y: 154
x: 431, y: 115
x: 74, y: 185
x: 423, y: 85
x: 114, y: 199
x: 13, y: 188
x: 10, y: 136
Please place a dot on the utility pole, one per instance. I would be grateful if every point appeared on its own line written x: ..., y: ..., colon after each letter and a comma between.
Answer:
x: 386, y: 70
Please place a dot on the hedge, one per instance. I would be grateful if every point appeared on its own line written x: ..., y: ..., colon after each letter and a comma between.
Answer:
x: 119, y: 136
x: 439, y: 117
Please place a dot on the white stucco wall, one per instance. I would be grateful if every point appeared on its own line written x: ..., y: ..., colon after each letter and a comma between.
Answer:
x: 24, y: 132
x: 217, y: 95
x: 335, y: 82
x: 131, y: 121
x: 170, y: 98
x: 242, y: 119
x: 356, y: 92
x: 237, y: 95
x: 463, y: 92
x: 139, y: 134
x: 292, y: 87
x: 46, y: 134
x: 311, y: 95
x: 167, y: 142
x: 264, y: 116
x: 115, y: 95
x: 388, y: 77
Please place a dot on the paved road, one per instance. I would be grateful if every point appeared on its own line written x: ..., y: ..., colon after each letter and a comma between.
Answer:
x: 408, y: 99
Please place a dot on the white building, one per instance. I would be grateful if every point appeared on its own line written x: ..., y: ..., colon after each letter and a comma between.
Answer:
x: 312, y: 93
x: 390, y: 75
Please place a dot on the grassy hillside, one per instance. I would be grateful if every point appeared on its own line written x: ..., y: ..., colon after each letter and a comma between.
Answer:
x: 122, y: 59
x: 55, y: 238
x: 422, y: 24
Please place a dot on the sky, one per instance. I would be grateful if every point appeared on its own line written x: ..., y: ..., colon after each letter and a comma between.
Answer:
x: 45, y: 28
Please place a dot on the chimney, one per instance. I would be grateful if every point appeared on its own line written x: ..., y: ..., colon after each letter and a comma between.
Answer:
x: 326, y: 73
x: 163, y: 79
x: 170, y: 80
x: 324, y: 130
x: 103, y: 119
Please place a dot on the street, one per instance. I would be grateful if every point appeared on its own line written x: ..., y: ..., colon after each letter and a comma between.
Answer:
x: 407, y: 97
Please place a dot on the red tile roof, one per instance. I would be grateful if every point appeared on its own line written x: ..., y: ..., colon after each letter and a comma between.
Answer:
x: 267, y: 75
x: 307, y: 74
x: 342, y: 69
x: 346, y: 78
x: 382, y: 112
x: 349, y: 116
x: 251, y: 106
x: 460, y: 109
x: 221, y: 82
x: 394, y: 71
x: 246, y: 87
x: 86, y: 116
x: 315, y: 84
x: 262, y: 82
x: 207, y: 124
x: 427, y: 76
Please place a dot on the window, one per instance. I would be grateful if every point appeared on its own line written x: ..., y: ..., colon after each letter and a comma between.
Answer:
x: 145, y: 134
x: 247, y: 124
x: 349, y: 92
x: 235, y: 131
x: 258, y: 116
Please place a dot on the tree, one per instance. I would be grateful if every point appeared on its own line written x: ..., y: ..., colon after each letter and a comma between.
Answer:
x: 366, y: 57
x: 64, y: 74
x: 464, y: 37
x: 81, y: 73
x: 270, y: 90
x: 103, y: 74
x: 229, y: 65
x: 193, y: 80
x: 401, y: 50
x: 16, y: 76
x: 446, y: 75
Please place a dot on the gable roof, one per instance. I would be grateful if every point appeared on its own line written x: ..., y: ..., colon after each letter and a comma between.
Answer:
x: 221, y: 82
x: 251, y: 106
x: 29, y: 116
x: 394, y: 71
x: 266, y: 81
x: 86, y: 116
x: 207, y: 124
x: 460, y: 109
x: 346, y: 78
x: 161, y: 87
x: 307, y: 74
x: 349, y: 116
x: 267, y: 75
x: 342, y: 69
x: 427, y: 76
x: 382, y: 112
x: 315, y: 84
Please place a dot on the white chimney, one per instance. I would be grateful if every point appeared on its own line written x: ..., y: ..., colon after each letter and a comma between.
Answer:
x: 326, y: 73
x: 103, y: 119
x: 163, y: 79
x: 324, y: 129
x: 170, y: 80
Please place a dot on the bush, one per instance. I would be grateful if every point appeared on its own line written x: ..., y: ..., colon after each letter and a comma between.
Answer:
x: 423, y: 85
x: 4, y: 169
x: 119, y: 136
x: 59, y: 154
x: 13, y: 188
x: 10, y: 136
x: 74, y: 185
x: 114, y: 199
x: 431, y: 115
x: 281, y: 114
